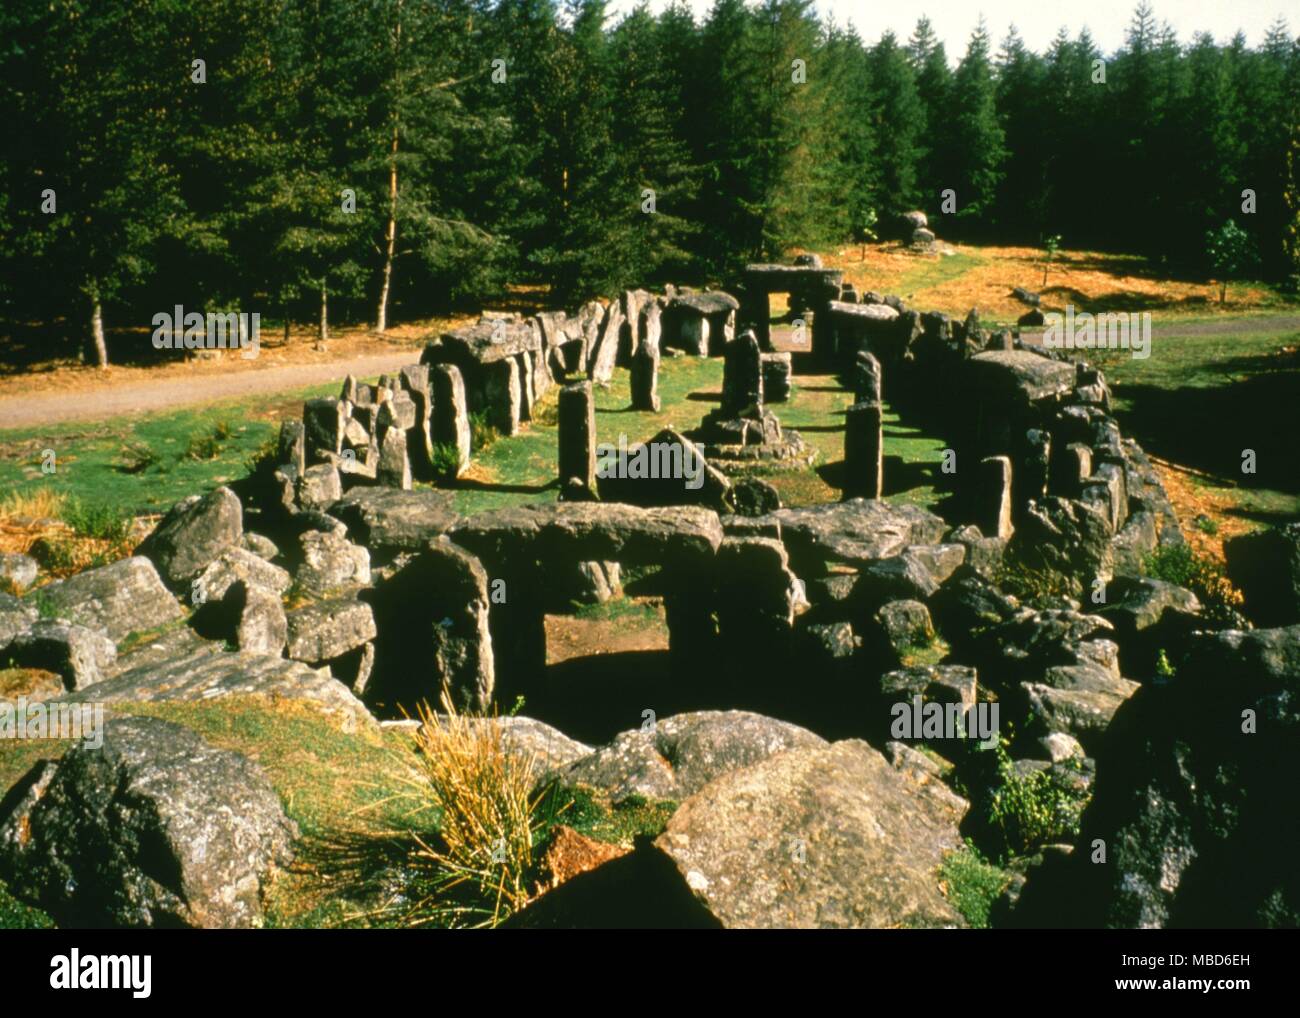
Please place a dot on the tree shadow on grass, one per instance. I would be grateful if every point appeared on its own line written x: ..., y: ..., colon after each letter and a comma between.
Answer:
x: 1209, y: 428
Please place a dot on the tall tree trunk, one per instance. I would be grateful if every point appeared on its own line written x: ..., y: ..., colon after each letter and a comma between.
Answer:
x: 97, y: 331
x: 381, y: 319
x: 324, y: 334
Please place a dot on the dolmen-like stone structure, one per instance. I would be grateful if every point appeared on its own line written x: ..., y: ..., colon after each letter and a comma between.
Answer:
x: 335, y: 577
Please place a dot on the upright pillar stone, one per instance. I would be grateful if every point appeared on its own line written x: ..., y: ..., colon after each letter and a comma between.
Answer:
x: 993, y: 496
x: 868, y: 384
x: 1031, y: 477
x: 645, y: 363
x: 394, y: 469
x: 864, y: 451
x: 450, y: 413
x: 577, y: 436
x: 742, y: 375
x: 503, y: 395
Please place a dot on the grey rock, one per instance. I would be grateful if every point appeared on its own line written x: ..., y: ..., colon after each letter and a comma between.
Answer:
x: 192, y: 534
x: 384, y: 519
x: 196, y: 672
x: 234, y: 565
x: 80, y: 656
x: 683, y: 753
x: 155, y: 829
x: 328, y: 629
x: 18, y: 570
x: 331, y: 563
x: 825, y: 836
x: 122, y: 598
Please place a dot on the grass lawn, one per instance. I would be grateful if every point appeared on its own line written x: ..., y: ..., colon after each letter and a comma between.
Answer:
x: 523, y: 468
x: 1203, y: 397
x: 141, y: 465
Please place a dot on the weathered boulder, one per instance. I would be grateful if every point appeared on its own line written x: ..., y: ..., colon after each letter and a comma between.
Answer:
x: 318, y: 487
x: 588, y: 531
x: 856, y: 532
x: 679, y: 755
x: 324, y: 630
x: 388, y: 520
x: 1194, y: 801
x: 1149, y: 616
x: 331, y: 563
x: 248, y: 615
x: 192, y: 534
x: 235, y: 565
x: 823, y: 836
x: 80, y: 656
x: 154, y: 829
x: 15, y: 617
x: 195, y: 673
x: 122, y: 598
x: 1067, y: 537
x: 17, y: 570
x: 433, y: 632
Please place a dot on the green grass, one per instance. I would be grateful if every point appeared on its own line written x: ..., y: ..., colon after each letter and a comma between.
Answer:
x: 933, y: 272
x: 144, y: 464
x: 1200, y: 400
x: 972, y: 884
x: 522, y: 468
x: 636, y: 614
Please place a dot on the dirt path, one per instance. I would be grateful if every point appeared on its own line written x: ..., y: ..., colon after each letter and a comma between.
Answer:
x: 167, y: 393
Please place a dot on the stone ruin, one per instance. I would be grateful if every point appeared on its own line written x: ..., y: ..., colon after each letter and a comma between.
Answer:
x: 791, y: 630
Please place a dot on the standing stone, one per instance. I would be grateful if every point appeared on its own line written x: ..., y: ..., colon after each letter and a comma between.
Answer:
x: 324, y: 421
x: 415, y: 378
x: 994, y: 496
x: 605, y: 353
x: 292, y: 450
x: 864, y: 449
x: 742, y: 375
x: 645, y: 368
x: 433, y: 632
x: 349, y: 392
x: 777, y: 372
x: 1031, y: 478
x: 577, y: 436
x: 394, y: 463
x: 527, y: 391
x: 695, y: 334
x: 419, y: 439
x: 867, y: 378
x: 1071, y: 469
x: 503, y: 396
x: 450, y: 415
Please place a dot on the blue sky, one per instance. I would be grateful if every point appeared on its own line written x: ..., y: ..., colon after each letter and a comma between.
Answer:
x: 1038, y: 20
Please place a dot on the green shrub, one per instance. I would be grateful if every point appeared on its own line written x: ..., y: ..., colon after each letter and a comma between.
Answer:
x: 972, y: 883
x: 137, y: 457
x: 446, y: 460
x: 207, y: 445
x: 97, y: 519
x: 1037, y: 587
x: 482, y: 432
x: 1179, y: 564
x: 263, y: 460
x: 1027, y: 811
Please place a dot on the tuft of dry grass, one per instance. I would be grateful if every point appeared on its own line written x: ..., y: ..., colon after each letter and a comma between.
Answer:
x: 35, y: 523
x: 482, y: 863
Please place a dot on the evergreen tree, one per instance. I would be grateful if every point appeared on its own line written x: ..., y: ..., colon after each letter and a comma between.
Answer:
x: 975, y: 140
x: 898, y: 120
